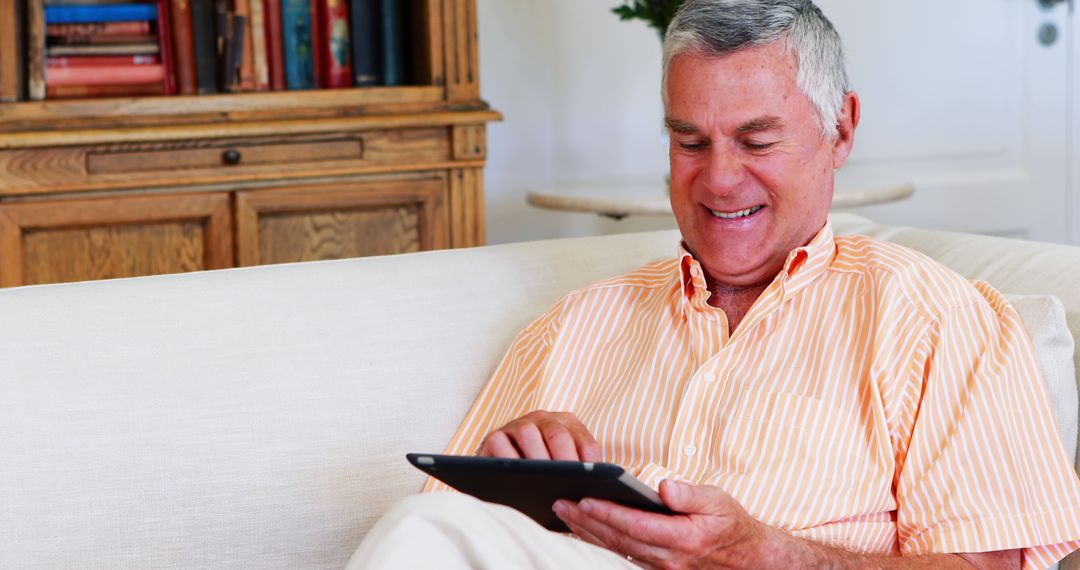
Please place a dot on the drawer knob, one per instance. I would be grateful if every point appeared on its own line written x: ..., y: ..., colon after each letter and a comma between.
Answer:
x: 231, y: 157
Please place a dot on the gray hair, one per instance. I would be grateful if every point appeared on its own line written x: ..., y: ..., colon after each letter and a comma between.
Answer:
x: 720, y: 27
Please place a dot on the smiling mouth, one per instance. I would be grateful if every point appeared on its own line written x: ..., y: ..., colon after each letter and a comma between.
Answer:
x: 735, y: 215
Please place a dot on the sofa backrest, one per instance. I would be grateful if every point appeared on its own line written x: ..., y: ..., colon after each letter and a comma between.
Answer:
x: 259, y: 417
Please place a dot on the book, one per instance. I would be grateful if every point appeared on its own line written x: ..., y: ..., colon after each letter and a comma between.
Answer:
x: 366, y: 36
x: 183, y: 47
x: 234, y: 53
x: 102, y: 40
x: 296, y: 44
x: 394, y: 42
x: 223, y: 31
x: 259, y: 64
x: 317, y: 39
x: 104, y: 75
x: 63, y: 14
x: 332, y: 49
x: 242, y: 11
x: 101, y: 60
x: 35, y: 49
x: 11, y: 62
x: 118, y: 49
x: 274, y: 56
x: 96, y: 29
x: 84, y: 91
x: 164, y: 32
x: 205, y: 39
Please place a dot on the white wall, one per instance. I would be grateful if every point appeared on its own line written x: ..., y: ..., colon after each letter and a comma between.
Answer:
x: 579, y: 90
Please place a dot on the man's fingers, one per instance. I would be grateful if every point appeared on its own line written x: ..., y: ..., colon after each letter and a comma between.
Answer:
x: 597, y: 532
x: 527, y: 437
x: 497, y: 444
x: 543, y: 435
x: 696, y: 499
x: 560, y: 444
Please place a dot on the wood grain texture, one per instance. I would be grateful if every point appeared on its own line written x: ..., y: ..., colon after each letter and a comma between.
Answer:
x: 427, y: 31
x: 65, y: 255
x: 11, y: 66
x: 466, y: 210
x: 332, y: 221
x: 35, y: 50
x: 187, y: 109
x: 201, y: 161
x: 461, y: 50
x: 470, y: 142
x: 373, y: 230
x: 73, y: 240
x: 224, y: 129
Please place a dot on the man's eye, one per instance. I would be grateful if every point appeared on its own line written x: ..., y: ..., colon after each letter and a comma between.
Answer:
x: 691, y: 145
x: 757, y: 145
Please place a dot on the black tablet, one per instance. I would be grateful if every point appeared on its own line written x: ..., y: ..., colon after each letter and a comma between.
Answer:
x: 532, y: 486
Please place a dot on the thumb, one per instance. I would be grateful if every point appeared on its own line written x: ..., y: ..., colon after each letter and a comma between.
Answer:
x: 694, y: 499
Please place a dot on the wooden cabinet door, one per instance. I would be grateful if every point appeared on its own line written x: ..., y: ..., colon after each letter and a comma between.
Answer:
x: 54, y: 241
x: 340, y: 220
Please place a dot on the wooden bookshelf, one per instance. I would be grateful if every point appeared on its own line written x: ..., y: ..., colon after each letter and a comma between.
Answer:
x: 103, y: 188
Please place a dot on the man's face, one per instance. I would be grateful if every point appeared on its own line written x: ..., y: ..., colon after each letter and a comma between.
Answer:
x: 751, y: 173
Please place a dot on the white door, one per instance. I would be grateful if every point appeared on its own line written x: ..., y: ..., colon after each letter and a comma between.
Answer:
x: 965, y: 100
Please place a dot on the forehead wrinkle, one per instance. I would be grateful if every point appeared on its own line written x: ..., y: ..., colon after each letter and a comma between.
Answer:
x: 760, y: 124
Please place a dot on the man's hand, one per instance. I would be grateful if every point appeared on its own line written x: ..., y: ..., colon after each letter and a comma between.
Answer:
x: 715, y: 531
x: 542, y: 435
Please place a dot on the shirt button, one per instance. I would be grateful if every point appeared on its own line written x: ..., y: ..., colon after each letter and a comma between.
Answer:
x: 689, y: 450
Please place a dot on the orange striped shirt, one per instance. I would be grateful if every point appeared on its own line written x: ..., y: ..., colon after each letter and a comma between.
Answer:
x: 871, y: 399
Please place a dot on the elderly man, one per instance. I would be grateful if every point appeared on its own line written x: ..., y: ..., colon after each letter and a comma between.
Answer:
x: 802, y: 400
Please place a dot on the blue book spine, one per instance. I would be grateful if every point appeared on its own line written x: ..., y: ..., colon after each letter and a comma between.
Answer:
x: 296, y: 44
x: 92, y: 13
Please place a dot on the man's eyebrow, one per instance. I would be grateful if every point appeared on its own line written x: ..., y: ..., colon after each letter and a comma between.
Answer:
x: 681, y: 127
x: 762, y: 124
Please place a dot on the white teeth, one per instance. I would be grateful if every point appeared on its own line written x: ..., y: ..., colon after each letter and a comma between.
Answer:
x: 735, y: 215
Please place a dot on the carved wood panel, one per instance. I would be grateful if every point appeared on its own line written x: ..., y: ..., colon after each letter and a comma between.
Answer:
x: 341, y: 220
x: 53, y: 241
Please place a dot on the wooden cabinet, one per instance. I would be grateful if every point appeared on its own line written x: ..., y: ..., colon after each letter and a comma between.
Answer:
x: 63, y: 240
x: 102, y: 188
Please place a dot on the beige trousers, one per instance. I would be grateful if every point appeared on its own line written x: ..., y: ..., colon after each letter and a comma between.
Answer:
x: 452, y: 530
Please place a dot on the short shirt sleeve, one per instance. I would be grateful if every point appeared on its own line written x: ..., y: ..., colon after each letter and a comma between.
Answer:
x: 985, y: 468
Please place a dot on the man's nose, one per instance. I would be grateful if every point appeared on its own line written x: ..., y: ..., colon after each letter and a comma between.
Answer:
x: 725, y: 170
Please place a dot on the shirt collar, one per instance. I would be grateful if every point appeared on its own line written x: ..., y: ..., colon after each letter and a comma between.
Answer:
x: 803, y: 265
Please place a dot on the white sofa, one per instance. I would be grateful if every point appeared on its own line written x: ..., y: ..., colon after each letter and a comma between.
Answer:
x: 259, y: 418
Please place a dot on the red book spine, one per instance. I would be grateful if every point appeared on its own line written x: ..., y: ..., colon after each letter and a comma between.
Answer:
x: 102, y: 75
x: 168, y: 85
x: 242, y: 8
x: 183, y: 47
x: 101, y: 60
x: 99, y: 29
x: 333, y: 47
x: 275, y: 53
x: 83, y: 91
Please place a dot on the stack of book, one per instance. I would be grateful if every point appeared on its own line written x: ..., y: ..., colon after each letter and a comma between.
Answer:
x: 93, y: 48
x: 99, y: 49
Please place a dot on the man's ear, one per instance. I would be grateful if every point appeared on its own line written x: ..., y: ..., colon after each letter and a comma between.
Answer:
x: 846, y: 123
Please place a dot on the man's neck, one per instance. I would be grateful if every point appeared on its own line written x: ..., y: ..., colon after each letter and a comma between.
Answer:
x: 734, y: 301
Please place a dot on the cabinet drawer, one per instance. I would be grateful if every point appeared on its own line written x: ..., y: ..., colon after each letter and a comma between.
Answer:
x: 350, y: 147
x: 214, y: 161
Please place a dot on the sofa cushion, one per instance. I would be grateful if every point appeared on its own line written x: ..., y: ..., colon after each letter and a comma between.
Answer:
x: 1044, y: 319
